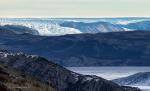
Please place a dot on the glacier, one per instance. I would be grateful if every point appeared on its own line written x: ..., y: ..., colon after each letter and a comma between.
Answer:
x: 43, y: 29
x: 63, y: 26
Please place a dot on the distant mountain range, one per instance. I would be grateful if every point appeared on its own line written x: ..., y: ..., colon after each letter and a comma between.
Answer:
x: 83, y: 42
x: 92, y: 42
x: 18, y: 29
x: 103, y: 49
x: 94, y: 27
x: 143, y: 25
x: 56, y: 27
x: 18, y: 69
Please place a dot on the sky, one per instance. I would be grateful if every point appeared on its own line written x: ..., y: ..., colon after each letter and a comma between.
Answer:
x: 74, y: 8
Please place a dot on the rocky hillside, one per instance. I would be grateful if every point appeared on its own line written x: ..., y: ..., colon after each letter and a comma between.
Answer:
x: 53, y: 74
x: 15, y: 80
x: 102, y: 49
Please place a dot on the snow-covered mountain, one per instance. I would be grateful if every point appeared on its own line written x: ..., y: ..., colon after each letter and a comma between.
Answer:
x: 40, y: 27
x: 139, y: 79
x: 94, y: 27
x: 52, y: 27
x: 140, y: 25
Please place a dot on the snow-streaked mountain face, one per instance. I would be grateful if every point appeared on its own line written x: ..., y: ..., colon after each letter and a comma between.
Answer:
x: 42, y: 27
x: 94, y: 27
x: 141, y: 25
x: 62, y: 26
x: 139, y: 79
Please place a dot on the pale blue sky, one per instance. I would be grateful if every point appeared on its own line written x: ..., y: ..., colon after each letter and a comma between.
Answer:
x: 74, y: 8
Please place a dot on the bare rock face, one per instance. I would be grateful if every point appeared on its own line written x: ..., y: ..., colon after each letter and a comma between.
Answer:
x: 55, y: 75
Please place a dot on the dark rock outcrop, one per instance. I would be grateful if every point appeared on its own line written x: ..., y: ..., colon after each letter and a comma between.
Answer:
x: 55, y: 75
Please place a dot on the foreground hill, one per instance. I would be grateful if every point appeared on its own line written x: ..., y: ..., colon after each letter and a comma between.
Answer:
x: 50, y: 74
x: 102, y: 49
x: 15, y: 80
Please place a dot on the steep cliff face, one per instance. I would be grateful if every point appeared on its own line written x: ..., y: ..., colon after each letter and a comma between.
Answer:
x: 55, y: 75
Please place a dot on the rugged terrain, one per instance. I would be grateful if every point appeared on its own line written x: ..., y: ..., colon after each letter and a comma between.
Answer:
x: 102, y: 49
x: 49, y: 73
x: 14, y: 80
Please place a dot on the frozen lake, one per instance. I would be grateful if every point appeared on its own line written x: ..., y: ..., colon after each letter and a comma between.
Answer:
x: 110, y: 73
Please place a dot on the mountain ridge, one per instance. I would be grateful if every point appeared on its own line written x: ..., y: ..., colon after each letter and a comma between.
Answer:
x: 57, y: 76
x: 102, y: 49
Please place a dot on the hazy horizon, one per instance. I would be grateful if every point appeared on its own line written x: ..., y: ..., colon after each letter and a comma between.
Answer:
x: 74, y: 8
